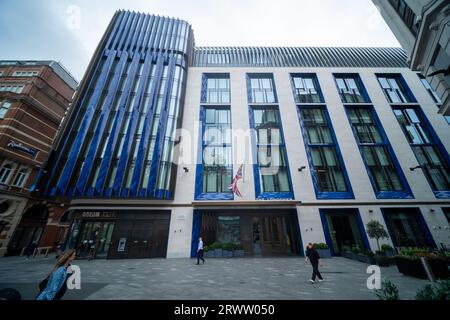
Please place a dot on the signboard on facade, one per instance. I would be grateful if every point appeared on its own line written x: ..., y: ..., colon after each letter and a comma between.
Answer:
x: 99, y: 214
x: 18, y: 146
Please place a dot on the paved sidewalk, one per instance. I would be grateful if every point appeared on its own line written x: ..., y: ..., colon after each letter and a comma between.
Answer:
x: 235, y: 278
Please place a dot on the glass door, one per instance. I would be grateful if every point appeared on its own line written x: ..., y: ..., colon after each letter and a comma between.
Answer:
x: 95, y: 239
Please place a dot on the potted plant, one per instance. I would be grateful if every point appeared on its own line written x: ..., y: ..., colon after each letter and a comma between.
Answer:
x: 388, y: 250
x: 323, y: 250
x: 376, y: 230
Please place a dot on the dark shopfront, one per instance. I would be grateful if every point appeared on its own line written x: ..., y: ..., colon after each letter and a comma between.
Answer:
x: 261, y: 232
x: 133, y: 234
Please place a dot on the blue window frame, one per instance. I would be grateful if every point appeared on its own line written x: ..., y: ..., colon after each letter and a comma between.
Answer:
x: 261, y: 88
x: 433, y: 94
x: 306, y: 88
x: 428, y: 149
x: 351, y: 88
x: 271, y: 172
x: 395, y: 88
x: 407, y: 227
x: 325, y: 161
x: 386, y: 176
x: 214, y: 170
x: 216, y: 88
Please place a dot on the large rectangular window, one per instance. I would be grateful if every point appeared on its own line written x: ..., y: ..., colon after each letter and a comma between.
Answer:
x: 261, y: 88
x: 383, y: 168
x: 327, y: 167
x: 272, y: 171
x: 216, y: 88
x: 351, y: 89
x: 4, y: 107
x: 306, y: 88
x: 216, y: 174
x: 395, y: 88
x: 433, y: 94
x: 431, y: 155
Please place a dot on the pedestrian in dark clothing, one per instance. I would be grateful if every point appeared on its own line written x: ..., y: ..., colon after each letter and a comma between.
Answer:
x: 200, y: 251
x: 313, y: 256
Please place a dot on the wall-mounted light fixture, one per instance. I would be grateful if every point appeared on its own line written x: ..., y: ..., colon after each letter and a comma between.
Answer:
x: 416, y: 167
x: 185, y: 169
x: 301, y: 168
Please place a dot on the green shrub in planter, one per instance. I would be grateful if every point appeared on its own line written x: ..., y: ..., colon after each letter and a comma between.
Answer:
x: 388, y: 291
x: 319, y: 246
x: 205, y: 249
x: 375, y: 230
x: 386, y: 247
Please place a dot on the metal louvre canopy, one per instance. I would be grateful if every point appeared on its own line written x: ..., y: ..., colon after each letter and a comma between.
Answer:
x: 325, y: 57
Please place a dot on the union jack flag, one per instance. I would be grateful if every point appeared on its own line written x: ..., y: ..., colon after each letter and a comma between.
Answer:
x: 234, y: 186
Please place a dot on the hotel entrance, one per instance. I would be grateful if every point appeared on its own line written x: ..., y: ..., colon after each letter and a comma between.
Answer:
x: 343, y: 229
x: 259, y: 232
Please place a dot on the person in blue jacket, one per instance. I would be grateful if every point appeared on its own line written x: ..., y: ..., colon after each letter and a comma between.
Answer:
x: 58, y: 276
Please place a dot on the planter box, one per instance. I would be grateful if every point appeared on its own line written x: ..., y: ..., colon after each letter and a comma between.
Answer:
x: 365, y: 259
x: 324, y: 253
x: 382, y: 260
x: 350, y: 255
x: 218, y: 253
x: 439, y: 268
x: 209, y: 254
x: 238, y: 253
x: 389, y: 253
x: 227, y: 253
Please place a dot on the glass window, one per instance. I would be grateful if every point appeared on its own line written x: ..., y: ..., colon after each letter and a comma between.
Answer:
x: 328, y: 168
x: 375, y: 150
x: 20, y: 178
x: 217, y: 88
x: 271, y: 152
x: 350, y: 88
x: 5, y: 172
x: 217, y: 162
x: 306, y: 90
x: 4, y: 106
x: 393, y: 89
x: 262, y: 89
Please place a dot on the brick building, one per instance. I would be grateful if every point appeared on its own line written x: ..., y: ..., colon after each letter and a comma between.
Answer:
x: 34, y: 97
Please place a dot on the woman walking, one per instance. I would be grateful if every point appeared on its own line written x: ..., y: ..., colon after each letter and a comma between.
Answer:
x: 56, y: 280
x: 313, y: 256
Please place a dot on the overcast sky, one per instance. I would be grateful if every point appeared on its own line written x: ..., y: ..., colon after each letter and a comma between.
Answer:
x: 69, y: 30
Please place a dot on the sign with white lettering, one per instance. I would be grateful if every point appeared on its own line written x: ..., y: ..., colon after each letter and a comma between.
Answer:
x: 98, y: 214
x: 18, y: 146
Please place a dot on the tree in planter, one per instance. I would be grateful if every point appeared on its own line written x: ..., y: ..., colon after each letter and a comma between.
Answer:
x: 376, y: 231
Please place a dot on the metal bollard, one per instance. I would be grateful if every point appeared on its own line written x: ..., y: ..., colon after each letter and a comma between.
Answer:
x: 427, y: 269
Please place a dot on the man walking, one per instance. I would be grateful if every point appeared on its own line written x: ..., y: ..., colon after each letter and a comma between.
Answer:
x: 200, y: 251
x: 313, y: 256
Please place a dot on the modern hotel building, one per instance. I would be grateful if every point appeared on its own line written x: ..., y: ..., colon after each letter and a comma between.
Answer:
x: 328, y: 139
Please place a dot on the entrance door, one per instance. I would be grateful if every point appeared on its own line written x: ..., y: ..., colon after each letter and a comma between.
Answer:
x: 140, y: 235
x: 343, y: 230
x: 94, y: 239
x: 256, y: 237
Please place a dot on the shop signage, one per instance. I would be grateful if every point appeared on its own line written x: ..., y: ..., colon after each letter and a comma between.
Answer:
x: 98, y: 214
x: 18, y: 146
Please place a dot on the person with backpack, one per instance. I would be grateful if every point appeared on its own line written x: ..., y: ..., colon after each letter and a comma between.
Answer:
x: 54, y: 286
x: 313, y: 256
